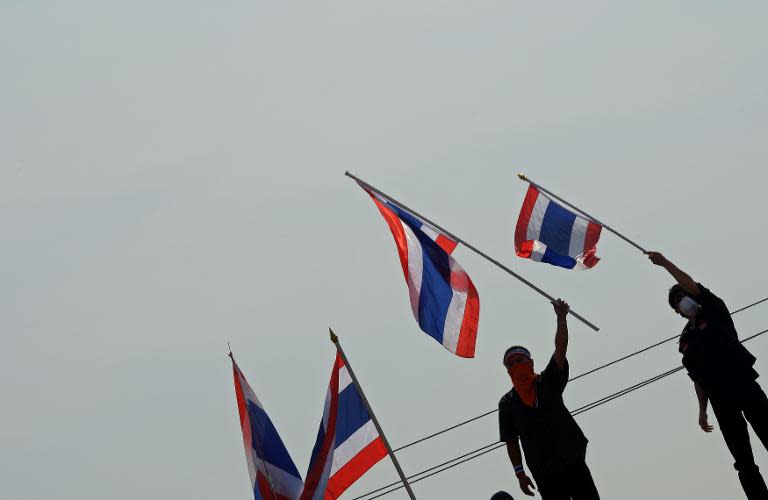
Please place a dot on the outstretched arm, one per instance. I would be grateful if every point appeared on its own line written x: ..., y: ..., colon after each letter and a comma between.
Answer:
x: 682, y: 278
x: 561, y: 335
x: 513, y: 450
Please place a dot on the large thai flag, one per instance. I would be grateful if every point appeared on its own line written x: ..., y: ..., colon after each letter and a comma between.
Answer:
x: 443, y: 298
x: 547, y: 232
x: 348, y: 443
x: 273, y: 474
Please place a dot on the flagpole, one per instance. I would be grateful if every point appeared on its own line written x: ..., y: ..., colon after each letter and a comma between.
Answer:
x: 407, y: 485
x: 471, y: 247
x: 594, y: 219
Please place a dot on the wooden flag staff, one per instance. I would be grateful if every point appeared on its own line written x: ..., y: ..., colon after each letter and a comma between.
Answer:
x: 471, y: 247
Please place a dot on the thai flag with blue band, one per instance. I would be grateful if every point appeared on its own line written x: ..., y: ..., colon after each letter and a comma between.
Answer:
x: 547, y: 232
x: 443, y: 298
x: 348, y: 443
x: 273, y: 474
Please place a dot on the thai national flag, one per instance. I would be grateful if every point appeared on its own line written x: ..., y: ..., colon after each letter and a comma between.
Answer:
x: 443, y: 298
x: 547, y: 232
x: 348, y: 443
x: 273, y: 474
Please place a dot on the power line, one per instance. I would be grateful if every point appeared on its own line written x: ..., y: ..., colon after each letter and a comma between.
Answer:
x: 593, y: 370
x: 466, y: 457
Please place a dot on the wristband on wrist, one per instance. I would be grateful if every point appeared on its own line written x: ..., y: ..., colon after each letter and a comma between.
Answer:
x: 519, y: 469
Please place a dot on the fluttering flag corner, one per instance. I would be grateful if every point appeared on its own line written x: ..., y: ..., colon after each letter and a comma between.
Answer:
x: 548, y: 232
x: 273, y: 473
x: 443, y: 298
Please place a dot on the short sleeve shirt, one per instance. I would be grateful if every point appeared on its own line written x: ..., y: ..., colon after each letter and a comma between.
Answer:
x: 710, y: 346
x: 551, y: 438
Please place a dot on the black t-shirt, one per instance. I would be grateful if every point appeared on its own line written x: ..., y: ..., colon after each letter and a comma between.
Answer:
x: 710, y: 346
x: 550, y: 436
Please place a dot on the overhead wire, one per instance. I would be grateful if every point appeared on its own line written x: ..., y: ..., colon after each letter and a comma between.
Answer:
x: 471, y: 455
x: 589, y: 372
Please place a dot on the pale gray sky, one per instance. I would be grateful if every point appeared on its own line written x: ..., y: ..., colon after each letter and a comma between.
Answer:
x: 171, y: 178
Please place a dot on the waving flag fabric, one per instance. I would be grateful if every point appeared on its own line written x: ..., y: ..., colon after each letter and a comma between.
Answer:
x: 273, y: 474
x: 547, y: 232
x: 348, y: 443
x: 443, y: 298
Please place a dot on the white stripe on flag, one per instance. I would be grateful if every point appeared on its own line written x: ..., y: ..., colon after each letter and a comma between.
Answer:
x: 344, y: 378
x: 455, y: 313
x: 415, y: 267
x: 537, y: 252
x: 578, y: 235
x: 354, y: 444
x: 429, y: 232
x: 284, y: 483
x: 537, y: 217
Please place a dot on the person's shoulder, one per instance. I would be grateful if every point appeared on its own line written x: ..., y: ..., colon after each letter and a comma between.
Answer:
x: 507, y: 399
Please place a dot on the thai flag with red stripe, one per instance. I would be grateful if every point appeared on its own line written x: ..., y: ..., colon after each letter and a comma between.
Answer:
x: 443, y: 298
x: 273, y: 474
x: 547, y: 232
x: 348, y: 443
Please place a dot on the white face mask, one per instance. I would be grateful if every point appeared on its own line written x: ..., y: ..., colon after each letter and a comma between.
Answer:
x: 688, y: 307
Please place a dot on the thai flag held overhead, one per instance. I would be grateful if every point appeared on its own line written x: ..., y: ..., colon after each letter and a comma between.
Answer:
x: 547, y: 232
x: 273, y: 474
x: 348, y: 443
x: 443, y: 298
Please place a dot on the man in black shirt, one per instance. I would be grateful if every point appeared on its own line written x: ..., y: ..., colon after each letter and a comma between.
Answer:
x: 723, y: 373
x: 533, y: 413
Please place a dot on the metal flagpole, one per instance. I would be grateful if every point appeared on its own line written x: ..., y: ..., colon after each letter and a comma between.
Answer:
x: 609, y: 228
x: 406, y: 484
x: 480, y: 253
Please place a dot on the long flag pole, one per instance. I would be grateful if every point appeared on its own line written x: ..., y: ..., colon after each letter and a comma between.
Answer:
x: 400, y: 473
x: 471, y: 247
x: 553, y: 195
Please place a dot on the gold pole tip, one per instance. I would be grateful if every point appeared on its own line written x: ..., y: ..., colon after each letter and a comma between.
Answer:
x: 334, y: 338
x: 522, y: 176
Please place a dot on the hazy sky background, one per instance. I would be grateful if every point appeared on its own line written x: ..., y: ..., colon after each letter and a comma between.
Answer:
x: 171, y: 178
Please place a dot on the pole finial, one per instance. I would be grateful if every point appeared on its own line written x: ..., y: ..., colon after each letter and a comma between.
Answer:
x: 334, y: 338
x: 229, y: 348
x: 522, y: 176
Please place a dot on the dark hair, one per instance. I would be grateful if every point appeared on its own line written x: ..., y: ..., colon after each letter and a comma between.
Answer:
x: 512, y: 349
x: 502, y: 495
x: 673, y: 293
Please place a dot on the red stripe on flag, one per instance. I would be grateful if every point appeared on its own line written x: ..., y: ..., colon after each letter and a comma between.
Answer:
x: 592, y: 236
x: 446, y: 243
x: 525, y: 249
x: 521, y: 230
x: 465, y: 347
x: 355, y: 468
x: 393, y: 221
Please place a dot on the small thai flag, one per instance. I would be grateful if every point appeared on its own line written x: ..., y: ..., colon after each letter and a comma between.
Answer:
x: 348, y: 443
x: 443, y: 298
x: 547, y: 232
x: 273, y: 474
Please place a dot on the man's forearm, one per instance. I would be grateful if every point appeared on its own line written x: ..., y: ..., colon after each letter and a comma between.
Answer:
x: 682, y: 278
x: 515, y: 456
x: 561, y: 340
x: 701, y: 396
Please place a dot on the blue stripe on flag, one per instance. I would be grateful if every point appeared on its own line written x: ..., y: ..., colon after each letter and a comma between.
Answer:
x: 551, y: 257
x: 556, y: 229
x: 436, y: 293
x: 267, y: 444
x: 351, y: 414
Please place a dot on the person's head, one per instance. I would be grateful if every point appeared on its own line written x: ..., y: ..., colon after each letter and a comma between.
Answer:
x: 502, y: 495
x: 517, y: 355
x: 682, y: 302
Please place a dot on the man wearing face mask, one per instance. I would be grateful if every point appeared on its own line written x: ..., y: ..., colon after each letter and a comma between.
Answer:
x: 533, y: 413
x: 723, y: 373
